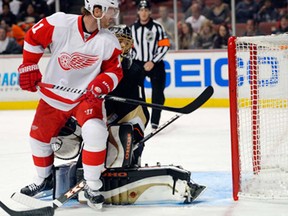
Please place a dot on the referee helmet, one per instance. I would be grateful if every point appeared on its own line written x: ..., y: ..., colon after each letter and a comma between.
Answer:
x: 144, y: 4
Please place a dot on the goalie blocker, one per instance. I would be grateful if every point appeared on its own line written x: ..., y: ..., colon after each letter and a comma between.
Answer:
x: 126, y: 183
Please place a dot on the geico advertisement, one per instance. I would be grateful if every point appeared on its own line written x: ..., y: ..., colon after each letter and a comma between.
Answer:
x: 188, y: 73
x: 271, y: 76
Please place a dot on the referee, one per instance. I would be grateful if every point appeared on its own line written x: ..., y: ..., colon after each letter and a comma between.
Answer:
x: 150, y: 46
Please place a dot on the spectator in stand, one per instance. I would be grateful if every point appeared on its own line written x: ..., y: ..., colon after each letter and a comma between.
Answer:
x: 64, y: 5
x: 267, y: 13
x: 27, y: 24
x: 168, y: 23
x: 283, y: 26
x: 29, y: 12
x: 246, y: 9
x: 282, y: 11
x: 18, y: 34
x: 196, y: 19
x: 252, y: 28
x: 1, y: 4
x: 205, y: 11
x: 187, y: 37
x: 206, y: 36
x: 15, y: 6
x: 185, y: 4
x: 221, y: 38
x: 7, y: 15
x: 280, y: 4
x: 8, y: 45
x: 220, y: 12
x: 14, y: 31
x: 40, y: 6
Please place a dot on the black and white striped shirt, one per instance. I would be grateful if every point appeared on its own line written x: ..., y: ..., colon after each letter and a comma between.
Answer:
x: 150, y: 41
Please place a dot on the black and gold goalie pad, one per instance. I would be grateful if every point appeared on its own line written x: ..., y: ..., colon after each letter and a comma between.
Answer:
x: 124, y: 183
x: 146, y: 185
x: 120, y: 146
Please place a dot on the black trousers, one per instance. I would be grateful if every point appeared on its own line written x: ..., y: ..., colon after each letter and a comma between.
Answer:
x: 158, y: 78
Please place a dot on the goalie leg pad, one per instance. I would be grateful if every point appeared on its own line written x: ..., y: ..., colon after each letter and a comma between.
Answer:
x: 119, y: 146
x: 147, y: 185
x: 64, y: 178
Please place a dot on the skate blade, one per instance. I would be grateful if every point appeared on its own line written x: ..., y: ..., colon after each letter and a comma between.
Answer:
x: 43, y: 194
x: 97, y: 206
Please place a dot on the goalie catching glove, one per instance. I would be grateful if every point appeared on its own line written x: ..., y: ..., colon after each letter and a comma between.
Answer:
x: 29, y: 76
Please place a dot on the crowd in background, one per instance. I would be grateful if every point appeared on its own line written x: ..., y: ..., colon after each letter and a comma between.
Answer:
x: 202, y: 25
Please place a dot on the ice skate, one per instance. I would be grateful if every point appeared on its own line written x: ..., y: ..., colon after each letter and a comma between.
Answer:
x: 94, y: 198
x: 39, y: 188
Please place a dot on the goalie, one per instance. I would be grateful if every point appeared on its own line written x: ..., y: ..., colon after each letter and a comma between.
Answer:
x: 124, y: 181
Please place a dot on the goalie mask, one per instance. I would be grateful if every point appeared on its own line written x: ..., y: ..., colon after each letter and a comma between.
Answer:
x: 124, y: 36
x: 67, y: 145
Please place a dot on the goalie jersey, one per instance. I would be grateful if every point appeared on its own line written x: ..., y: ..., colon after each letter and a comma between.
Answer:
x: 117, y: 112
x: 77, y: 57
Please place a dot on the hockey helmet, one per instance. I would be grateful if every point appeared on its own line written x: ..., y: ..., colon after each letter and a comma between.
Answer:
x: 108, y: 7
x: 144, y: 4
x: 124, y: 35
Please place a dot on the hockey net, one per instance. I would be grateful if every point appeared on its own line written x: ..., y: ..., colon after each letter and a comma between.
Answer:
x: 258, y: 85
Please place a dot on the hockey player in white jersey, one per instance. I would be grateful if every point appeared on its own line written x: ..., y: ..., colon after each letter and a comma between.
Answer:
x: 84, y: 55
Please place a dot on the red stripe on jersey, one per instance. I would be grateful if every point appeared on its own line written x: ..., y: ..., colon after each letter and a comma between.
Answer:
x: 29, y: 57
x: 39, y: 35
x: 112, y: 65
x: 93, y: 158
x: 43, y: 161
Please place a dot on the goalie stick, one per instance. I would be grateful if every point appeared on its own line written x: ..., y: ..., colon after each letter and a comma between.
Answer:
x: 198, y: 102
x: 44, y: 211
x: 56, y: 203
x: 154, y: 132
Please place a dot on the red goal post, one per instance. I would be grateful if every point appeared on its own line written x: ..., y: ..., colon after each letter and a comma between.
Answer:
x: 258, y: 92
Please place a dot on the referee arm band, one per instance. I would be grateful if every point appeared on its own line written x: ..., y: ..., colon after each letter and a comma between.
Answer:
x: 164, y: 42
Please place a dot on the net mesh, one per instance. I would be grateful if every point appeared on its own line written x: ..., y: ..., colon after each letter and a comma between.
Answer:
x: 262, y: 93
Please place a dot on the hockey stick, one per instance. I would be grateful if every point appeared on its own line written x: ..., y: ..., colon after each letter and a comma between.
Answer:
x: 56, y: 203
x: 198, y: 102
x: 44, y: 211
x: 154, y: 132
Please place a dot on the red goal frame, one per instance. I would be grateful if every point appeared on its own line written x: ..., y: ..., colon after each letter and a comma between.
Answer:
x: 253, y: 73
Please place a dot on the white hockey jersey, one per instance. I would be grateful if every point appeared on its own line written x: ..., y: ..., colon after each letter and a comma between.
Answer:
x: 75, y: 61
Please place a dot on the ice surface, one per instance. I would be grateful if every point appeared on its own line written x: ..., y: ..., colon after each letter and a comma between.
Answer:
x: 200, y: 142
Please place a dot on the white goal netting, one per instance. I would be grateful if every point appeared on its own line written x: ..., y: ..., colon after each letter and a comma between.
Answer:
x: 261, y: 83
